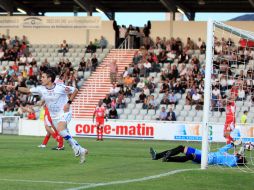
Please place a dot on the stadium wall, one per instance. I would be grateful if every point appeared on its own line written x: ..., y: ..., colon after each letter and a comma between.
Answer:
x: 153, y: 130
x: 166, y: 29
x: 56, y: 36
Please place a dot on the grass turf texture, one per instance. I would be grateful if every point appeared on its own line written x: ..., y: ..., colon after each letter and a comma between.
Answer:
x: 110, y: 160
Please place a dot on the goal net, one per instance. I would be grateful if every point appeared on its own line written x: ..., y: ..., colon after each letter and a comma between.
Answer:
x: 228, y: 94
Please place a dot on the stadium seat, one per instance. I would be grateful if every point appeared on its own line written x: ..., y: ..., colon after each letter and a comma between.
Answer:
x: 139, y: 117
x: 131, y: 117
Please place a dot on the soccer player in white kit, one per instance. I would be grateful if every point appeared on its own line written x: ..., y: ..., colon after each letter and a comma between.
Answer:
x: 56, y: 99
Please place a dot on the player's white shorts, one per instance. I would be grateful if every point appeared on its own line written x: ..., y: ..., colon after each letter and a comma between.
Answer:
x: 65, y: 117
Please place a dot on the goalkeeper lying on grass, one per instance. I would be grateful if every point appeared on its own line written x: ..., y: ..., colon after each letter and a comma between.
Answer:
x: 221, y: 157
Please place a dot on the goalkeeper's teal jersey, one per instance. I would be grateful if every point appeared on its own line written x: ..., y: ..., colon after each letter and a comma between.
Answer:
x: 222, y: 157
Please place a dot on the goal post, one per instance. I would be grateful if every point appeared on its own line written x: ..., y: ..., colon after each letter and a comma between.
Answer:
x: 237, y: 34
x: 207, y: 92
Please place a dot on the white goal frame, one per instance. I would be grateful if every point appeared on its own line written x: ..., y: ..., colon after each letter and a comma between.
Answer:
x: 208, y: 71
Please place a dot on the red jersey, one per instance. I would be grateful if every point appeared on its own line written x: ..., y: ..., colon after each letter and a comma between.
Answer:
x: 99, y: 112
x: 230, y: 112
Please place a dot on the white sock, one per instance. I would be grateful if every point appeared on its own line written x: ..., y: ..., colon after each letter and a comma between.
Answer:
x: 67, y: 136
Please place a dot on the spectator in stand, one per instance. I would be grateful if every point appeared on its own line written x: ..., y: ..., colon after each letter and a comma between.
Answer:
x: 128, y: 92
x: 196, y: 97
x: 8, y: 112
x: 151, y: 85
x: 107, y: 101
x: 148, y: 67
x: 2, y: 105
x: 91, y: 48
x: 142, y: 97
x: 114, y: 90
x: 163, y: 114
x: 140, y: 86
x: 171, y: 116
x: 241, y: 94
x: 113, y: 71
x: 82, y: 65
x: 172, y: 98
x: 122, y: 34
x: 103, y: 43
x: 136, y: 58
x: 120, y: 101
x: 128, y: 81
x: 1, y: 54
x: 95, y: 62
x: 162, y: 57
x: 203, y: 48
x: 164, y: 87
x: 153, y: 104
x: 64, y: 48
x: 199, y: 43
x: 165, y: 100
x: 135, y: 71
x: 113, y: 113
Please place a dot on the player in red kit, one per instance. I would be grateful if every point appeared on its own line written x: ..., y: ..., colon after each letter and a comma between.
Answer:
x: 230, y: 121
x: 100, y: 113
x: 51, y: 131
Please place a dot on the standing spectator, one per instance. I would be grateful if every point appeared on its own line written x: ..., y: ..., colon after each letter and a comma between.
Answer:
x: 94, y: 61
x: 122, y: 34
x: 114, y: 90
x: 113, y: 71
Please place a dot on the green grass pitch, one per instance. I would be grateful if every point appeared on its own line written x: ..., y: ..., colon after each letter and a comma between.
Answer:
x: 111, y: 164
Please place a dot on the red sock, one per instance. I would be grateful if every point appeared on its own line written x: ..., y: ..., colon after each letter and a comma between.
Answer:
x: 101, y: 134
x: 54, y: 135
x: 229, y: 139
x: 46, y: 139
x: 60, y: 141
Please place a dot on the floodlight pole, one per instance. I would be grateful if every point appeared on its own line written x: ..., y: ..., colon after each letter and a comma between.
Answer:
x: 207, y: 91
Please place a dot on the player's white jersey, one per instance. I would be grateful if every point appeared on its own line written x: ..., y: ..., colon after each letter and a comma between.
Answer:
x: 55, y: 98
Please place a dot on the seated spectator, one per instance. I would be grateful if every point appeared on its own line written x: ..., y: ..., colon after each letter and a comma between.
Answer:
x: 165, y: 100
x: 196, y: 97
x: 142, y: 97
x: 114, y: 90
x: 172, y: 98
x: 91, y: 48
x: 178, y: 88
x: 140, y: 86
x: 153, y: 104
x: 241, y: 94
x: 107, y: 101
x: 128, y: 81
x: 113, y: 113
x: 2, y: 105
x: 103, y: 43
x: 120, y: 101
x: 64, y: 48
x: 146, y: 91
x: 171, y: 116
x: 82, y: 65
x: 8, y: 112
x: 164, y: 87
x: 128, y: 92
x: 163, y: 114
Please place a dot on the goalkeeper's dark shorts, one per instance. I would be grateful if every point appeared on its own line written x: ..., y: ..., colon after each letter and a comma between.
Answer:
x: 196, y: 154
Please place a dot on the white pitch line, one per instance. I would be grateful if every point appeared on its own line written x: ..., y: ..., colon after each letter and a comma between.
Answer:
x: 53, y: 182
x: 131, y: 180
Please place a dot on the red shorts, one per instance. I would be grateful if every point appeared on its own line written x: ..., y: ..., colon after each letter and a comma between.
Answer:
x: 99, y: 121
x: 229, y: 126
